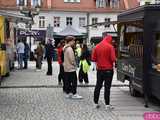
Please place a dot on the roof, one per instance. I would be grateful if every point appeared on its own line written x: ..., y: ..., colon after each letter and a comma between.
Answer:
x: 15, y: 17
x: 69, y: 31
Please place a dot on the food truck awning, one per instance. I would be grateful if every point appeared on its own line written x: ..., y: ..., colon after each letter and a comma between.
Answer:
x: 15, y: 17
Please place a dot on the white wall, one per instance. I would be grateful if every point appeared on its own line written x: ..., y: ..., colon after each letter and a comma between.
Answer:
x: 50, y: 19
x: 49, y: 15
x: 100, y: 29
x: 142, y: 2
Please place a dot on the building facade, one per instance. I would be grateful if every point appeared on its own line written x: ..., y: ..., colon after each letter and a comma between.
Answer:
x: 142, y: 2
x: 75, y: 13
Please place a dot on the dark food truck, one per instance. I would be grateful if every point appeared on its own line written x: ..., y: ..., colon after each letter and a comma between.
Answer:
x: 139, y: 50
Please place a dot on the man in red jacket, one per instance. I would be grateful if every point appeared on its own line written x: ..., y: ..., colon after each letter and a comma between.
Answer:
x: 104, y: 57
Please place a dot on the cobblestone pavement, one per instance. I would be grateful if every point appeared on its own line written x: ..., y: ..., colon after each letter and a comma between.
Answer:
x: 31, y: 77
x: 50, y: 104
x: 29, y: 102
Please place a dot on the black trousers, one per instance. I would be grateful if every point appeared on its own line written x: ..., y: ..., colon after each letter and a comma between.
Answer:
x: 49, y: 62
x: 106, y: 77
x: 61, y: 73
x: 83, y: 76
x: 70, y: 82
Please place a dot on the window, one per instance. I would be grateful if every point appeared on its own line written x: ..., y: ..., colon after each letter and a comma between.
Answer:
x: 41, y: 22
x: 94, y: 21
x: 35, y: 3
x: 157, y: 1
x: 131, y: 41
x: 107, y: 20
x: 76, y: 1
x: 156, y: 53
x: 56, y: 21
x: 100, y: 3
x: 69, y: 21
x: 114, y: 3
x: 82, y: 21
x: 21, y: 2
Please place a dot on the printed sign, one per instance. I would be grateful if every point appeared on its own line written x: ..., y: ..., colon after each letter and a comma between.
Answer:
x: 151, y: 116
x: 129, y: 68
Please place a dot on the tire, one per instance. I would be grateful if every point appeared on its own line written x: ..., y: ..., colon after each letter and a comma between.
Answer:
x: 132, y: 90
x: 7, y: 74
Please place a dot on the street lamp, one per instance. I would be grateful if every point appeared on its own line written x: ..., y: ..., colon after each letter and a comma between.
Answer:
x: 29, y: 11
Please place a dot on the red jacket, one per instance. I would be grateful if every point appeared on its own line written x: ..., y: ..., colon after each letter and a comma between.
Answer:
x: 59, y: 52
x: 104, y: 54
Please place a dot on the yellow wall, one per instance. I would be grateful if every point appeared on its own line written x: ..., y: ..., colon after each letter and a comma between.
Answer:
x: 3, y: 68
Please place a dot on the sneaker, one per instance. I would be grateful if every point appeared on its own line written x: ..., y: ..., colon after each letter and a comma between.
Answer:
x: 109, y: 107
x: 96, y: 106
x: 38, y: 70
x: 76, y: 96
x: 86, y: 83
x: 60, y: 83
x: 69, y: 95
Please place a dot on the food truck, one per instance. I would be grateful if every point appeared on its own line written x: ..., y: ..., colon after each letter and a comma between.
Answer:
x: 139, y: 50
x: 7, y: 40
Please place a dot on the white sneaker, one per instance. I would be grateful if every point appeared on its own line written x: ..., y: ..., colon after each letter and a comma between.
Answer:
x: 76, y: 96
x: 96, y: 106
x: 109, y: 107
x: 38, y: 70
x: 69, y: 95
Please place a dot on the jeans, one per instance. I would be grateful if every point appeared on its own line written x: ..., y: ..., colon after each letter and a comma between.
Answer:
x: 70, y: 82
x: 39, y: 62
x: 106, y: 77
x: 49, y: 62
x: 20, y: 60
x: 61, y: 73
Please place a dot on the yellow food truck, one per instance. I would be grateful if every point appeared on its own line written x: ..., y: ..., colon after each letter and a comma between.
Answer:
x: 7, y: 40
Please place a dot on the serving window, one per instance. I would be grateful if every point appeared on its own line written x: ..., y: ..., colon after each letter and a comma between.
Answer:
x: 156, y: 53
x: 131, y: 40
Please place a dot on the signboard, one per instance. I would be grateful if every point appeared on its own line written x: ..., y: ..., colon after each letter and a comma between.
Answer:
x: 33, y: 33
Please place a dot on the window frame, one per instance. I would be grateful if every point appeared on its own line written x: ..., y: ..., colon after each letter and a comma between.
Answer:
x: 94, y: 21
x: 69, y: 21
x: 42, y: 21
x: 82, y: 21
x: 56, y: 21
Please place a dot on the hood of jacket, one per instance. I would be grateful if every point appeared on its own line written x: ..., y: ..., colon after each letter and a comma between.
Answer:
x: 66, y: 46
x: 107, y: 39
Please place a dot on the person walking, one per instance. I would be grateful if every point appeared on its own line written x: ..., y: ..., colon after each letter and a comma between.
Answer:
x: 26, y: 54
x: 49, y: 55
x: 39, y: 53
x: 60, y: 62
x: 104, y: 56
x: 84, y: 65
x: 20, y: 52
x: 70, y: 69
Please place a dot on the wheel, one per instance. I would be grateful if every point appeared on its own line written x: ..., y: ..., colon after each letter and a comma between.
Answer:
x: 132, y: 90
x: 7, y: 74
